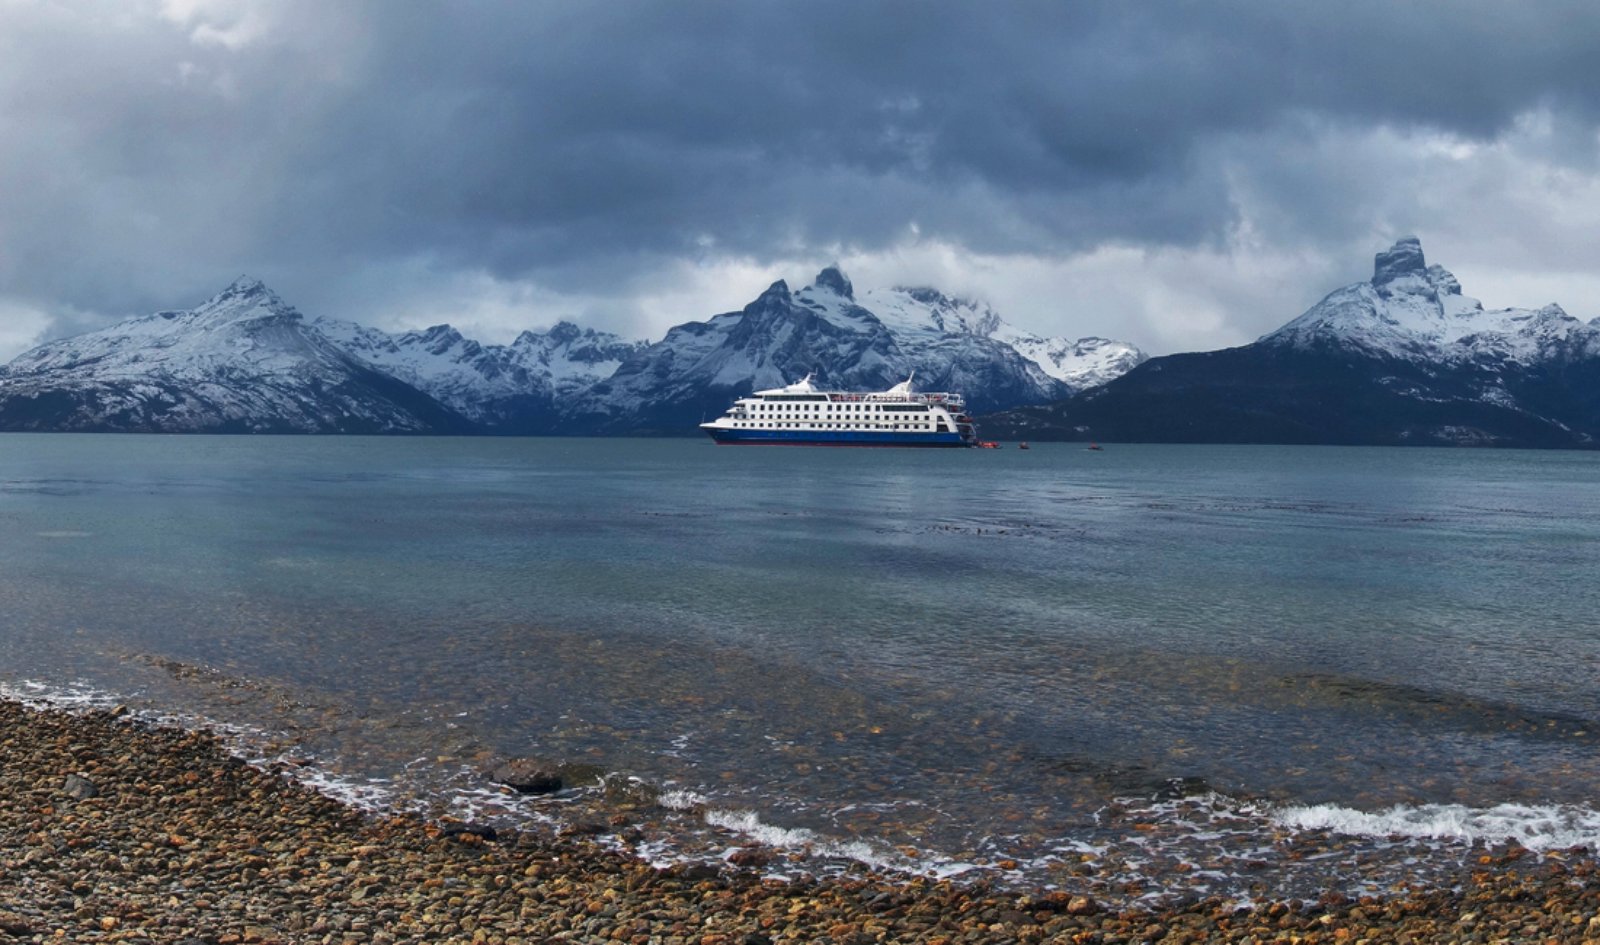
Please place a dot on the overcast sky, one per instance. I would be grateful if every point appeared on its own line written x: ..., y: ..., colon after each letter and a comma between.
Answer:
x: 1181, y: 175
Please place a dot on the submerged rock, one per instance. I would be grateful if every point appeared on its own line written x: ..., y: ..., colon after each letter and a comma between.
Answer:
x: 628, y: 793
x: 542, y: 776
x: 458, y: 831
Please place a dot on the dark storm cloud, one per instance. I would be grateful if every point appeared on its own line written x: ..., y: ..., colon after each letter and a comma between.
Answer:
x: 540, y: 133
x: 147, y: 156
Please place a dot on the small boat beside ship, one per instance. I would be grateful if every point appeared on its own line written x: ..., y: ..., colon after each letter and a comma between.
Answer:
x: 803, y: 414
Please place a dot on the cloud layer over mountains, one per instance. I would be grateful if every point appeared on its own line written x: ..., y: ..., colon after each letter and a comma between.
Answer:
x: 1182, y: 175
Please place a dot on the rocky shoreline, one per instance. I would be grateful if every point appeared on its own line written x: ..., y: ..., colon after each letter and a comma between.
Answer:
x: 115, y: 831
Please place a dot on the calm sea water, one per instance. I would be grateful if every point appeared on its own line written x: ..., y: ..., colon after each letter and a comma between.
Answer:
x: 1152, y: 670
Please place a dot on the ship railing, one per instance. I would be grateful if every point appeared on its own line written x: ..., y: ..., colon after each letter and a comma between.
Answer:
x: 943, y: 400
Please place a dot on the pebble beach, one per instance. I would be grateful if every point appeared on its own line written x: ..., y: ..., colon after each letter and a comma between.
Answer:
x: 117, y: 830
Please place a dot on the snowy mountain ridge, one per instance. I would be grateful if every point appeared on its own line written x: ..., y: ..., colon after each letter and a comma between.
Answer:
x: 246, y: 361
x: 848, y: 342
x: 1087, y: 362
x: 483, y: 382
x: 1413, y: 311
x: 258, y: 327
x: 1401, y: 359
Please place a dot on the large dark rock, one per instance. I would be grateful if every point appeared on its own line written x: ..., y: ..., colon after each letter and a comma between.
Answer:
x: 542, y: 776
x: 79, y: 787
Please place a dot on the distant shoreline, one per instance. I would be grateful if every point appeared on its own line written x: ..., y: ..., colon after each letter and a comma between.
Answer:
x: 1007, y: 438
x: 112, y: 830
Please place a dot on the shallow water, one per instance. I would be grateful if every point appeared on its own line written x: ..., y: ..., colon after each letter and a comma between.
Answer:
x: 1179, y: 665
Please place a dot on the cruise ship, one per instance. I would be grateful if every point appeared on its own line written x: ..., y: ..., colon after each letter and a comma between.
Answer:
x: 803, y: 415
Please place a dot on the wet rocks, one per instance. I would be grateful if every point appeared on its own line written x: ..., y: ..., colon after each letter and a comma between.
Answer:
x: 182, y: 844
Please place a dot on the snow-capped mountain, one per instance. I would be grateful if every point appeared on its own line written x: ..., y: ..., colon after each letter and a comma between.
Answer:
x: 1081, y: 364
x: 243, y: 362
x: 696, y: 370
x: 247, y: 361
x: 508, y: 388
x: 823, y: 329
x: 1414, y: 311
x: 1404, y: 358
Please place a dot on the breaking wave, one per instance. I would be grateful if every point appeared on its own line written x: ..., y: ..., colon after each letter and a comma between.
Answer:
x: 1535, y: 827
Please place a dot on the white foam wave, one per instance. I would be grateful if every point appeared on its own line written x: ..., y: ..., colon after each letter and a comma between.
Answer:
x: 1536, y: 827
x: 71, y: 696
x: 375, y: 795
x: 682, y: 800
x: 749, y: 824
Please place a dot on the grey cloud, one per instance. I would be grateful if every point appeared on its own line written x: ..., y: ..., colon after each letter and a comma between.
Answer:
x: 579, y: 144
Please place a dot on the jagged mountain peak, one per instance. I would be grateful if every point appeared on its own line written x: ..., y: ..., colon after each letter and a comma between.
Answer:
x: 834, y: 280
x: 1404, y: 257
x: 246, y: 285
x: 243, y: 361
x: 1443, y: 280
x: 1401, y: 270
x: 577, y: 344
x: 1416, y: 312
x: 1409, y: 309
x: 246, y: 298
x: 928, y: 312
x: 246, y: 322
x: 562, y: 332
x: 249, y: 289
x: 930, y: 296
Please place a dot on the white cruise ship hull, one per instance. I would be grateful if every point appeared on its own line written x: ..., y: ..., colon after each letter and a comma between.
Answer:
x: 727, y: 437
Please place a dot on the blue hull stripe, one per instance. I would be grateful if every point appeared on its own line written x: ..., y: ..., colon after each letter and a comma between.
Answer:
x: 743, y: 437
